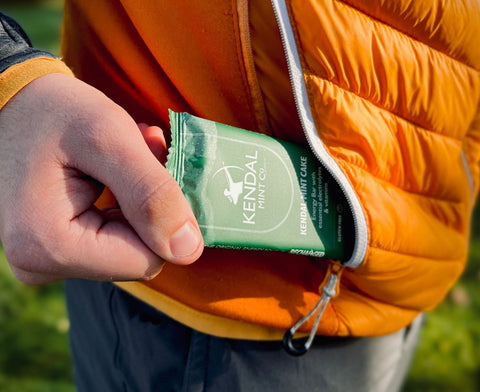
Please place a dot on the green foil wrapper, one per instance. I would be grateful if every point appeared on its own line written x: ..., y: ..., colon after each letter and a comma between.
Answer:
x: 252, y: 191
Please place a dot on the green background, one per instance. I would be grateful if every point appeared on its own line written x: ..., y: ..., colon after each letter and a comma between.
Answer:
x: 34, y: 351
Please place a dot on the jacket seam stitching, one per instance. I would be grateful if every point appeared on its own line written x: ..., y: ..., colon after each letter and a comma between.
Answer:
x: 437, y: 50
x: 412, y: 122
x: 240, y: 64
x: 256, y: 93
x: 446, y: 260
x: 378, y: 300
x: 417, y: 194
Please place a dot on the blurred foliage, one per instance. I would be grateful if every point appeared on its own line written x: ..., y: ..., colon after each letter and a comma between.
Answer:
x: 34, y: 351
x: 18, y: 2
x: 41, y: 19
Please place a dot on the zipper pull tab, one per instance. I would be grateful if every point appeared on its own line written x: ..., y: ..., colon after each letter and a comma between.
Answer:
x: 330, y: 287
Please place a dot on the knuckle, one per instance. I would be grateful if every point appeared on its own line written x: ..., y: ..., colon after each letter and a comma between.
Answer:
x: 30, y: 253
x: 27, y: 277
x: 17, y: 247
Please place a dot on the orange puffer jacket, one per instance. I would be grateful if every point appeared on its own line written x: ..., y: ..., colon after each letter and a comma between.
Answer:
x: 387, y: 95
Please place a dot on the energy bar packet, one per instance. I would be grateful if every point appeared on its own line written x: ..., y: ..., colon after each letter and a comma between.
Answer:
x: 252, y: 191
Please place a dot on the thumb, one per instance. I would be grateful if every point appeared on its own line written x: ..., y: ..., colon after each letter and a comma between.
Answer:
x: 148, y: 196
x: 155, y: 206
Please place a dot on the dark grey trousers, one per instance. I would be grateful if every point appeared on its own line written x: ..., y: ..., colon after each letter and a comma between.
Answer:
x: 121, y: 344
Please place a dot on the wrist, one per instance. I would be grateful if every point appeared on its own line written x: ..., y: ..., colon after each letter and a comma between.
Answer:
x: 19, y: 75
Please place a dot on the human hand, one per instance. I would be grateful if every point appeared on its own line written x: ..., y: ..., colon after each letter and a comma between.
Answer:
x: 61, y: 141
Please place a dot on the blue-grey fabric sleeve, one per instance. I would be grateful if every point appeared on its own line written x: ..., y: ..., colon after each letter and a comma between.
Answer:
x: 15, y: 46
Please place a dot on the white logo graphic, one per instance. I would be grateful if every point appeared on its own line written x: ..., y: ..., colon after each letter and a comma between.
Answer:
x: 234, y: 189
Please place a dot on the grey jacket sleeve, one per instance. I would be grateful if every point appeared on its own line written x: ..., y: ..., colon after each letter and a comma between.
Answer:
x: 15, y: 46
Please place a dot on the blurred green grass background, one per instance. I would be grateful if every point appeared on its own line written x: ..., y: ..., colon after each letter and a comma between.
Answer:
x: 34, y: 351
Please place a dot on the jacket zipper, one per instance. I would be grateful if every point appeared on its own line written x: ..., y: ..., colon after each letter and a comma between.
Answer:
x: 313, y: 138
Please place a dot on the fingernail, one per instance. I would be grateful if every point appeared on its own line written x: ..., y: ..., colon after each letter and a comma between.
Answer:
x: 185, y: 241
